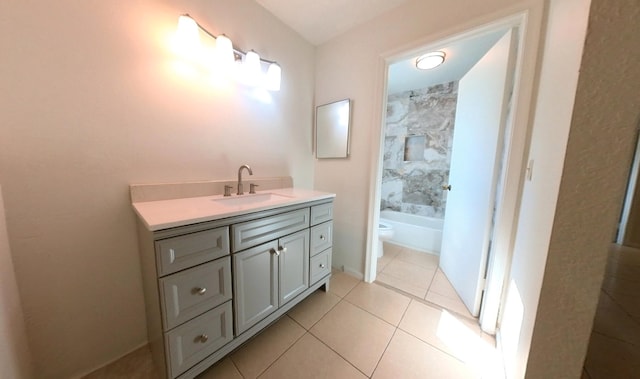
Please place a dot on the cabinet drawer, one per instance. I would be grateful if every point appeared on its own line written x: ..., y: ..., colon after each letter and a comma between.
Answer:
x: 321, y: 213
x: 190, y: 343
x: 177, y: 253
x: 192, y: 292
x: 253, y: 233
x: 320, y: 266
x: 321, y: 237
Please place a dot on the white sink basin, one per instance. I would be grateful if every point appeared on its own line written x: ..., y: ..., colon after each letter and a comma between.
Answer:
x: 254, y: 200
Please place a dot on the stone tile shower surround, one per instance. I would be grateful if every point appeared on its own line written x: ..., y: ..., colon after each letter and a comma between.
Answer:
x: 417, y: 149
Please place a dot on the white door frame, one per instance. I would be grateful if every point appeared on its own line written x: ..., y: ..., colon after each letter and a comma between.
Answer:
x: 512, y: 173
x: 628, y: 199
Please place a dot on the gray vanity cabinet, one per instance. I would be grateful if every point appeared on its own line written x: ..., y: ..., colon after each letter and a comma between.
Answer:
x: 267, y: 276
x: 210, y: 286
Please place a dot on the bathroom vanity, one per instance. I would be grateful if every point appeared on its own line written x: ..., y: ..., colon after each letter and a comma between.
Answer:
x: 217, y: 270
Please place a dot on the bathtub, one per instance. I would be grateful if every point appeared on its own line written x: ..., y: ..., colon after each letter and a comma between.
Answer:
x: 413, y: 231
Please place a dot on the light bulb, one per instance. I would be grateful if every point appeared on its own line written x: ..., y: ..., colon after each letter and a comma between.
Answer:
x: 224, y: 51
x: 187, y: 35
x: 274, y: 75
x: 252, y: 70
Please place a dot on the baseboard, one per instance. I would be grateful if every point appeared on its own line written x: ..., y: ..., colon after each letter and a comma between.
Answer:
x: 78, y: 376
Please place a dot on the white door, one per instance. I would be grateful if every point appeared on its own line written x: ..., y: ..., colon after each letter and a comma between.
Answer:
x: 483, y: 95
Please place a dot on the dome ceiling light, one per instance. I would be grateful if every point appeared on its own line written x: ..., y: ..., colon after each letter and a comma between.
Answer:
x: 430, y: 60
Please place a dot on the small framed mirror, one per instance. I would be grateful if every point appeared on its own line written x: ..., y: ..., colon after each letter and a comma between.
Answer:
x: 333, y: 124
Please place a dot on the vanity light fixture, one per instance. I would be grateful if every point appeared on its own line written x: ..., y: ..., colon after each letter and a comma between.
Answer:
x: 430, y: 60
x: 225, y: 55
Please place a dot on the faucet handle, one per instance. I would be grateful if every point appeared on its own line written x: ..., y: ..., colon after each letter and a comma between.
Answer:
x: 252, y: 188
x: 227, y: 190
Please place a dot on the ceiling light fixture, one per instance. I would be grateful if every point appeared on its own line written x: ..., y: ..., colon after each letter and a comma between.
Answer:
x: 430, y: 60
x: 226, y: 53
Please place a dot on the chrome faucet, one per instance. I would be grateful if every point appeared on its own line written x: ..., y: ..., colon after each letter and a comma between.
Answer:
x: 240, y: 189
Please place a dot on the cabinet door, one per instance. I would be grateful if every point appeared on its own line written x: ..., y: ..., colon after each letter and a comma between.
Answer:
x: 255, y: 281
x: 294, y: 265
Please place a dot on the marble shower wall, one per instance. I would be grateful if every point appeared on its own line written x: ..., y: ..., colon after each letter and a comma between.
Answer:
x: 419, y: 128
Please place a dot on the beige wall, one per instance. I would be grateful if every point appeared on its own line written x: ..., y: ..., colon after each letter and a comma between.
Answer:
x: 91, y: 102
x: 551, y: 331
x: 566, y: 25
x: 598, y: 156
x: 352, y: 65
x: 15, y: 359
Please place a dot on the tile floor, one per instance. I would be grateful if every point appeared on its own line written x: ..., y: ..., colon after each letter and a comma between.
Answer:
x: 417, y: 274
x: 360, y: 330
x: 614, y: 348
x: 356, y: 330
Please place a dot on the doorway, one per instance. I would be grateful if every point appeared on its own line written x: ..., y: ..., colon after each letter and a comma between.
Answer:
x: 498, y: 226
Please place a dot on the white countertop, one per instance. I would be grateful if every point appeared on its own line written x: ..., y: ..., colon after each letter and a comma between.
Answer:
x: 163, y: 214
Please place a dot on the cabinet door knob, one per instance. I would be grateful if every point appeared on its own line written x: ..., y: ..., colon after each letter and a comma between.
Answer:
x: 276, y: 252
x: 203, y: 338
x: 322, y: 237
x: 322, y: 265
x: 199, y: 290
x: 282, y: 249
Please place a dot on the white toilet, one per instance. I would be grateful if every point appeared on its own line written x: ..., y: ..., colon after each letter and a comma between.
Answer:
x: 385, y: 233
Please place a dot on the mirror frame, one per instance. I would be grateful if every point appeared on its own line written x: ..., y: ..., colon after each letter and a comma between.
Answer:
x: 333, y: 129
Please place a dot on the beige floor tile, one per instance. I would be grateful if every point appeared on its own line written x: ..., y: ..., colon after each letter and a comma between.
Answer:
x: 442, y: 286
x: 342, y: 283
x: 391, y: 250
x: 260, y: 352
x: 623, y: 271
x: 452, y: 334
x: 380, y: 301
x: 407, y: 357
x: 415, y: 289
x: 610, y: 358
x: 410, y: 272
x: 612, y: 321
x: 422, y: 259
x: 223, y: 369
x: 135, y: 365
x: 310, y: 358
x: 630, y: 304
x: 624, y: 255
x: 311, y: 309
x: 489, y: 339
x: 454, y: 305
x: 383, y: 262
x: 356, y: 335
x: 619, y: 286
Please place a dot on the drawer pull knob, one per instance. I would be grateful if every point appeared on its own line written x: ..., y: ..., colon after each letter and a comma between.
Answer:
x: 203, y: 338
x: 322, y: 237
x: 199, y: 291
x: 322, y: 265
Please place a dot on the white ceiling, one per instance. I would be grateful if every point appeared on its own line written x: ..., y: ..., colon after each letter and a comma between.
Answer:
x: 318, y: 21
x: 460, y: 57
